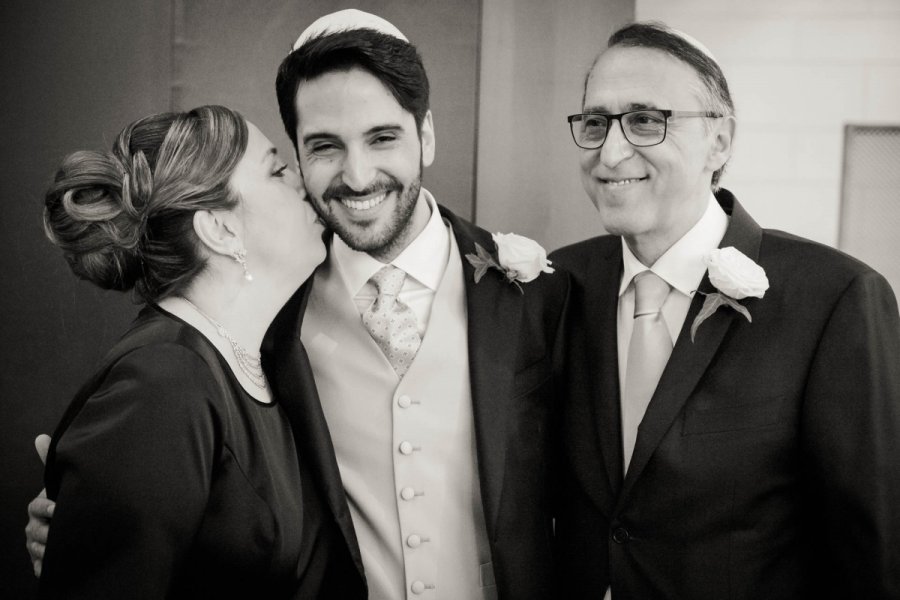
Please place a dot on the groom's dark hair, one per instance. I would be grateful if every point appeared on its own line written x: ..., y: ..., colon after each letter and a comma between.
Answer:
x: 394, y: 62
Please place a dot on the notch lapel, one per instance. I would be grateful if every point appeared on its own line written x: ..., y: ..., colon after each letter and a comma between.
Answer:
x: 690, y: 360
x: 287, y: 364
x: 601, y: 301
x: 493, y: 312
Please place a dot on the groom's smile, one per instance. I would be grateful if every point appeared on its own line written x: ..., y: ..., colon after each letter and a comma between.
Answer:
x: 361, y: 157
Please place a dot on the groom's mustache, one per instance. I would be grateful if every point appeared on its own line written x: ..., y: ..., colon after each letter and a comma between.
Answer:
x: 342, y: 190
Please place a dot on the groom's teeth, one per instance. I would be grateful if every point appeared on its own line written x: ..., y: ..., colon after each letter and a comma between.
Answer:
x: 363, y: 204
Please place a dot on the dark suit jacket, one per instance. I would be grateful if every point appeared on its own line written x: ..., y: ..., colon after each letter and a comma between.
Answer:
x: 513, y: 341
x: 768, y: 462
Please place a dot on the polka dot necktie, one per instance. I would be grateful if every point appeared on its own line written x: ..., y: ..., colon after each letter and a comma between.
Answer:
x: 391, y: 323
x: 648, y: 353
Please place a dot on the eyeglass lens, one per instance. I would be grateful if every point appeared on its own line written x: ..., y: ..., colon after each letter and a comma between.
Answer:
x: 641, y: 128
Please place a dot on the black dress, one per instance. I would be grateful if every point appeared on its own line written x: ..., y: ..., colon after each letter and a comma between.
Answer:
x: 172, y: 482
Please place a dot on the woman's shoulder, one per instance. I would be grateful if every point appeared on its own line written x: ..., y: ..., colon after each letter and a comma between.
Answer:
x: 154, y: 384
x: 153, y: 328
x: 161, y: 360
x: 163, y: 346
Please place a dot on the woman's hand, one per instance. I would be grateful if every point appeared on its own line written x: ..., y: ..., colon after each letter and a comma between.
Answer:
x: 40, y: 511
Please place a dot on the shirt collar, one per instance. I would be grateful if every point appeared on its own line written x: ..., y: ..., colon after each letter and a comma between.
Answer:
x: 682, y: 266
x: 424, y: 259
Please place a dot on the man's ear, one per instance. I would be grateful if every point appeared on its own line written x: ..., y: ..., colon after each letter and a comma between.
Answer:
x: 426, y: 136
x: 722, y: 146
x: 218, y: 231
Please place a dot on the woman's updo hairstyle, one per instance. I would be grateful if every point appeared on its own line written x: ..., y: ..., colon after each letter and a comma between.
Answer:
x: 124, y: 219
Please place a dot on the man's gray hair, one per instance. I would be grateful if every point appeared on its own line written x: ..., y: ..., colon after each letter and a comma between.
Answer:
x: 715, y: 94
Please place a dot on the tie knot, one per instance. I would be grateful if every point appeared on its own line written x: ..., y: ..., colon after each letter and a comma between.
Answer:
x: 650, y: 291
x: 388, y: 280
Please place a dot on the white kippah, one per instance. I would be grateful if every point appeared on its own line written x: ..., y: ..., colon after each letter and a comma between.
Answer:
x: 345, y: 20
x: 695, y: 43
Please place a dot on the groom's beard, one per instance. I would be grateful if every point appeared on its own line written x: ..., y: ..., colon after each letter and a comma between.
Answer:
x: 364, y: 237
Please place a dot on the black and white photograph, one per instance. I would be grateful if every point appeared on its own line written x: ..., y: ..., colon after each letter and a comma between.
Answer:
x: 462, y: 300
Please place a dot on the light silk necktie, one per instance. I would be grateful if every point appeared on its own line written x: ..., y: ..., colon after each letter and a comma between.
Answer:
x: 391, y: 323
x: 648, y: 353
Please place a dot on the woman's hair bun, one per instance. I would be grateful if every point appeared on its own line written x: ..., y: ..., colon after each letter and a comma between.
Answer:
x: 124, y: 219
x: 93, y: 213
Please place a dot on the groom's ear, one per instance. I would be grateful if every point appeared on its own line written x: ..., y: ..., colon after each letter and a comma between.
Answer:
x: 426, y: 137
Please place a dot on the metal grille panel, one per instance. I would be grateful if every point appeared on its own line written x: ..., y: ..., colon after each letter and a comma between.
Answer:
x: 870, y: 199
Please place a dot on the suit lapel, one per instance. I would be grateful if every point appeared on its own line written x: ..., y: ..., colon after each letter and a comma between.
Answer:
x: 287, y: 364
x: 601, y: 308
x: 690, y: 360
x: 493, y: 313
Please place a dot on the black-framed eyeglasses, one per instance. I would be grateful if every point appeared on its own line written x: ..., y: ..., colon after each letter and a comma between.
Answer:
x: 641, y: 127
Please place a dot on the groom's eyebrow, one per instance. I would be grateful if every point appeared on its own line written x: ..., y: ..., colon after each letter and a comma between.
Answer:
x: 388, y: 128
x: 318, y: 136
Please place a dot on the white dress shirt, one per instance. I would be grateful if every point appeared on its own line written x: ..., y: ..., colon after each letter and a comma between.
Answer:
x: 681, y: 266
x: 423, y: 260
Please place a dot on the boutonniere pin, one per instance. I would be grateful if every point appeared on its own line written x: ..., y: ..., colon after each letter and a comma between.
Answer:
x: 519, y: 259
x: 735, y: 277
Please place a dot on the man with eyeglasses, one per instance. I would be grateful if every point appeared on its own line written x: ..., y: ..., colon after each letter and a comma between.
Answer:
x: 732, y: 426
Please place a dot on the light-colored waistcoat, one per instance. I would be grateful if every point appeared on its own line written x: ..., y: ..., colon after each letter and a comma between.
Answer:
x: 406, y: 450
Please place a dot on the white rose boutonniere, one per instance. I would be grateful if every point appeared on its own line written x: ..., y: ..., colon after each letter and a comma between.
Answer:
x: 735, y: 277
x: 519, y: 259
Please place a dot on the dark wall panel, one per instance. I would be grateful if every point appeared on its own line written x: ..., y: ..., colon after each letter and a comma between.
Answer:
x: 73, y: 74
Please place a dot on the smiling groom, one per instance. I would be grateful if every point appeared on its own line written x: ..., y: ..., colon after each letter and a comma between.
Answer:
x: 430, y: 433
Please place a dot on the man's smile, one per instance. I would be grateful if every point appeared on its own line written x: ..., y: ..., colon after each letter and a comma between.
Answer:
x: 622, y: 182
x: 364, y: 203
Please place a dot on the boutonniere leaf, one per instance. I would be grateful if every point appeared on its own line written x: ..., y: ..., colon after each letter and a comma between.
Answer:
x: 482, y: 261
x: 735, y: 277
x: 711, y: 304
x: 518, y: 259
